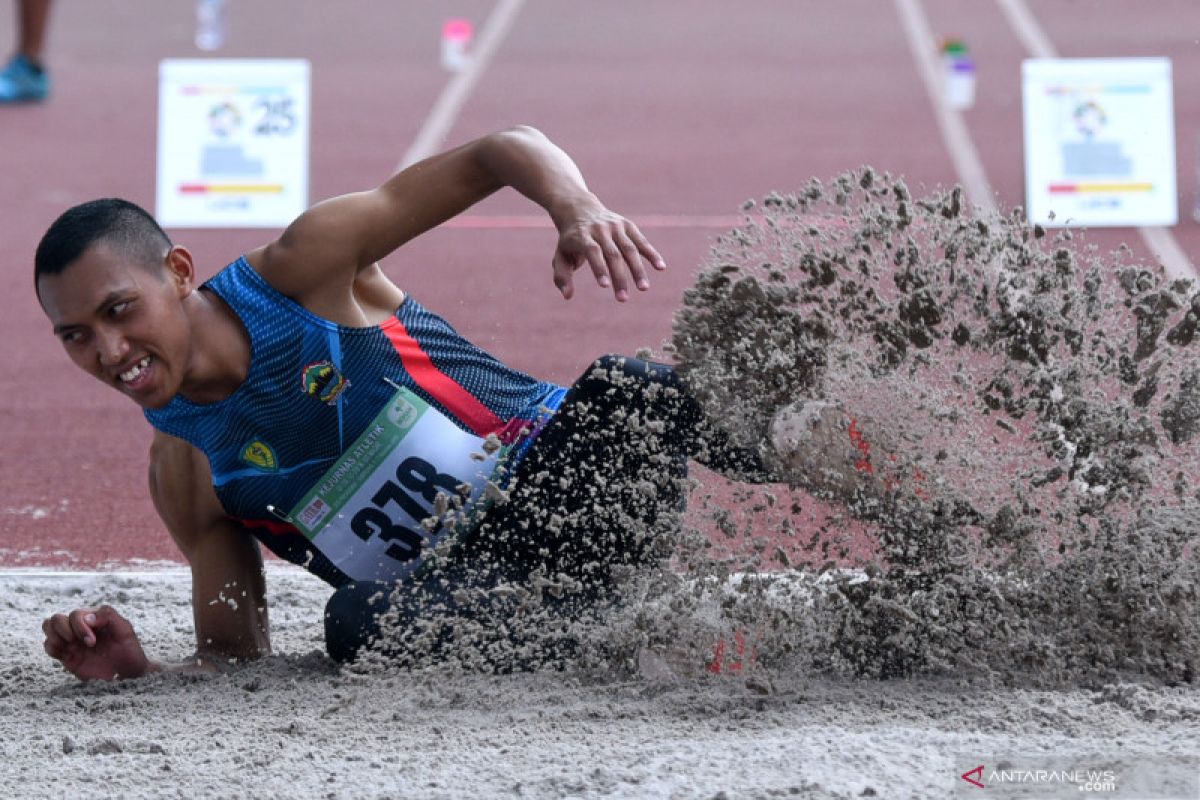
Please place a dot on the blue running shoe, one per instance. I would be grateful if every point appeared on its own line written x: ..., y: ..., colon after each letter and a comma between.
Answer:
x: 23, y: 82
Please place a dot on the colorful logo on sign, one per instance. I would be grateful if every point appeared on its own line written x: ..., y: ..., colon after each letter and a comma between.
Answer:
x: 224, y: 119
x: 1090, y: 118
x: 322, y: 380
x: 259, y: 454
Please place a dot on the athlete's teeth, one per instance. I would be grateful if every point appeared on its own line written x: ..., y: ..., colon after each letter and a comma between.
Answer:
x: 135, y: 370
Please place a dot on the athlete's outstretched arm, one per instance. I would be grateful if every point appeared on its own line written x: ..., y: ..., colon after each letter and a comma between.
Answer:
x: 228, y: 590
x: 327, y: 245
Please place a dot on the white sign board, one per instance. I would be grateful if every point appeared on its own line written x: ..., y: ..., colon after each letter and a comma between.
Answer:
x: 232, y: 142
x: 1099, y: 141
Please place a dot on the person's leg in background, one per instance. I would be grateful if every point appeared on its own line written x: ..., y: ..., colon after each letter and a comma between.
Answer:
x: 25, y: 79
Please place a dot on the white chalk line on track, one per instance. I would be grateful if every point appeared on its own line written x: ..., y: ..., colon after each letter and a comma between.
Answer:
x: 967, y: 164
x: 445, y: 111
x: 42, y: 573
x: 1161, y: 241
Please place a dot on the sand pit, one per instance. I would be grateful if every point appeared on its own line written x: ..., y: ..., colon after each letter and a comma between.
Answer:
x: 1008, y: 422
x: 293, y: 726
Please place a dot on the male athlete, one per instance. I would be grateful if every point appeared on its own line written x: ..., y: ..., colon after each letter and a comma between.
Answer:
x: 303, y: 401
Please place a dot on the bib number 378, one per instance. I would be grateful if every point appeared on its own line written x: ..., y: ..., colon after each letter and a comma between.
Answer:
x: 415, y: 478
x: 368, y: 513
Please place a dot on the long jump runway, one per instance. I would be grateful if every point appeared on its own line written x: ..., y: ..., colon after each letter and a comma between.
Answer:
x: 676, y: 112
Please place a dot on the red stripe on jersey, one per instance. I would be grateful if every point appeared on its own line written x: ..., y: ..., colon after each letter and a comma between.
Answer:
x: 447, y: 391
x: 277, y: 528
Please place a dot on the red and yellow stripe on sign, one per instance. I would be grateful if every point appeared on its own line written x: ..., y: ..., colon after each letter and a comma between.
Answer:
x: 1100, y: 188
x: 231, y: 188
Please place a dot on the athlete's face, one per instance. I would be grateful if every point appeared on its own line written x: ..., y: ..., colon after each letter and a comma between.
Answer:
x: 123, y: 322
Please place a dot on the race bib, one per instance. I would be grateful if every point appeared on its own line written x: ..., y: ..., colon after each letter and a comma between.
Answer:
x: 367, y: 512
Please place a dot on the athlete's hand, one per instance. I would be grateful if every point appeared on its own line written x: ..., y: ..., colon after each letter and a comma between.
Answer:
x: 95, y: 644
x: 611, y: 245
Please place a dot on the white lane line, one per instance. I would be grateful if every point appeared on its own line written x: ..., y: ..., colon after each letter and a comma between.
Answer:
x: 1027, y: 29
x: 42, y: 573
x: 454, y: 96
x: 169, y: 572
x: 1163, y: 244
x: 1161, y: 241
x: 967, y: 164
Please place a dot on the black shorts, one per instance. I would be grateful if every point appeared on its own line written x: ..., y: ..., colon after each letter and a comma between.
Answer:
x: 598, y: 493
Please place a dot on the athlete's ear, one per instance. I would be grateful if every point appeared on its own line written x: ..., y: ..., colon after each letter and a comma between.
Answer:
x: 181, y: 270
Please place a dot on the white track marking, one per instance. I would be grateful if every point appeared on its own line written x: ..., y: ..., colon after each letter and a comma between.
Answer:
x: 172, y: 573
x: 1161, y: 241
x: 454, y: 96
x: 967, y: 164
x: 1026, y: 27
x: 1163, y: 244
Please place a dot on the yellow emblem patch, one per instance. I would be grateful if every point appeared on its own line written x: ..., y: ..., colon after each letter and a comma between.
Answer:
x: 259, y: 454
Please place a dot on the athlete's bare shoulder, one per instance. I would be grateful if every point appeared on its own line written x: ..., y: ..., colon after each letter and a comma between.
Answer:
x: 167, y: 450
x: 368, y: 298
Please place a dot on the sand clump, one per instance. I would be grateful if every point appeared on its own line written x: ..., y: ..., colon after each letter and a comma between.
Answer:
x: 1009, y: 413
x: 1004, y: 418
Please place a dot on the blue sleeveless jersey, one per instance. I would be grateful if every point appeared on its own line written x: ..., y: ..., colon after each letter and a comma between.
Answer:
x: 314, y: 386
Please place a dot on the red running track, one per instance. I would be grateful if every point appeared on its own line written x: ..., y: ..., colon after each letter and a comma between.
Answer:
x: 673, y: 109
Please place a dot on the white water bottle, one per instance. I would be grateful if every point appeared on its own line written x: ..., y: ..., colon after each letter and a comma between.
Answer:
x: 210, y: 24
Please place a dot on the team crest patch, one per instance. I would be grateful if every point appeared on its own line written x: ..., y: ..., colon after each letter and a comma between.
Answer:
x: 322, y: 380
x: 259, y: 454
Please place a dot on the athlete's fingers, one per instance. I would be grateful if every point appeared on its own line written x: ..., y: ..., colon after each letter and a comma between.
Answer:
x: 54, y: 642
x: 644, y: 247
x: 597, y: 256
x: 104, y: 617
x: 614, y: 264
x: 633, y: 260
x: 82, y: 620
x: 54, y: 647
x: 60, y: 626
x: 563, y: 275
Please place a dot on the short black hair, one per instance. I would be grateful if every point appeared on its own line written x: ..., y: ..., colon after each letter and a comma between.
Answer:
x: 118, y: 222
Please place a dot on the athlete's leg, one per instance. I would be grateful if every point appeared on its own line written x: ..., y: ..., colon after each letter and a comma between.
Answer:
x: 601, y: 488
x: 603, y: 484
x: 413, y: 611
x: 352, y: 618
x: 437, y: 614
